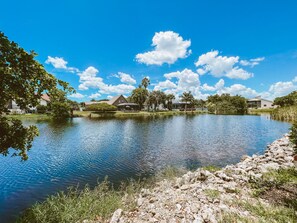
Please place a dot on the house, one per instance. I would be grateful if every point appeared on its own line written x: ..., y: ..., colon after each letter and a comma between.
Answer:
x: 45, y: 100
x: 13, y: 107
x: 259, y: 103
x: 117, y: 100
x: 120, y: 99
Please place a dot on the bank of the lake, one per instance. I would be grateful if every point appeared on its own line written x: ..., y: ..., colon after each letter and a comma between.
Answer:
x: 82, y: 150
x: 261, y: 188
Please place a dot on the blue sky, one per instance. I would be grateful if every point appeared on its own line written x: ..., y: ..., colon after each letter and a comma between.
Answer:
x: 104, y: 48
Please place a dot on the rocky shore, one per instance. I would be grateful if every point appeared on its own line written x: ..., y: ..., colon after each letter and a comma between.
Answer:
x: 209, y: 196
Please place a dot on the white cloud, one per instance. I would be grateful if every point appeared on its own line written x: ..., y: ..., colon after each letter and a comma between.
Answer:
x: 89, y: 79
x: 282, y: 88
x: 252, y: 62
x: 165, y: 85
x: 220, y: 66
x: 117, y: 89
x: 57, y: 62
x: 219, y: 85
x: 60, y: 63
x: 77, y: 95
x: 168, y: 48
x: 239, y: 89
x: 95, y: 95
x: 178, y: 82
x: 126, y: 78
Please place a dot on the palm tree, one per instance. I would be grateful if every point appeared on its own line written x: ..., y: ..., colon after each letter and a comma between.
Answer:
x: 187, y: 97
x: 170, y: 98
x: 145, y: 82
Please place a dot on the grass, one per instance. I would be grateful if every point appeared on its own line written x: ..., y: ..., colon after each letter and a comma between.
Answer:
x: 268, y: 213
x: 211, y: 168
x: 38, y: 117
x: 98, y: 204
x: 262, y: 110
x: 285, y: 114
x: 75, y: 205
x: 213, y: 194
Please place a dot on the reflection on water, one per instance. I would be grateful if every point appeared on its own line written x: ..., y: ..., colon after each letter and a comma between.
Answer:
x: 83, y: 151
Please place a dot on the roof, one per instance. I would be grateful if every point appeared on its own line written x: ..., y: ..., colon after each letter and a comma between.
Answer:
x: 114, y: 99
x: 259, y: 99
x: 45, y: 97
x: 91, y: 102
x: 128, y: 104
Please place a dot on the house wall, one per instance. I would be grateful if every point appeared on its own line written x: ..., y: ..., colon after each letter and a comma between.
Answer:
x: 266, y: 104
x: 119, y: 101
x: 43, y: 102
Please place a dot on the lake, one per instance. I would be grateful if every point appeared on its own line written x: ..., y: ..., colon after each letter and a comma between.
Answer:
x: 83, y: 151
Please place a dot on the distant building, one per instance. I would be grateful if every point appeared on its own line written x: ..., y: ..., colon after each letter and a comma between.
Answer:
x: 117, y: 100
x: 13, y: 107
x: 120, y: 99
x: 45, y: 100
x: 259, y: 103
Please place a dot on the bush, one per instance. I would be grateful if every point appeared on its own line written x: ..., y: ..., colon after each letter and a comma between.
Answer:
x: 60, y: 110
x: 101, y: 107
x: 41, y: 109
x: 293, y: 135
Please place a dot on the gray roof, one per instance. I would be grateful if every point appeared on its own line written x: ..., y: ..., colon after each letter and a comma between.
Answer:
x: 259, y: 99
x: 113, y: 100
x: 128, y: 104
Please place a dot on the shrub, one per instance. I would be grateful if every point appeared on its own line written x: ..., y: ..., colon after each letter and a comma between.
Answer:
x: 101, y: 107
x: 293, y: 135
x: 41, y: 109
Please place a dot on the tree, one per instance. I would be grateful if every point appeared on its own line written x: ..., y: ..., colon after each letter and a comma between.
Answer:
x: 170, y: 98
x: 187, y: 97
x: 23, y: 80
x: 139, y: 96
x: 226, y: 104
x: 101, y: 107
x: 145, y: 82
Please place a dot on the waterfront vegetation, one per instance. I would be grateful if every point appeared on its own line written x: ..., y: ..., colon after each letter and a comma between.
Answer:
x: 76, y: 205
x: 278, y: 187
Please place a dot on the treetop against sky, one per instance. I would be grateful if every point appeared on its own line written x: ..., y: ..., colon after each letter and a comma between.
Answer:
x: 105, y: 48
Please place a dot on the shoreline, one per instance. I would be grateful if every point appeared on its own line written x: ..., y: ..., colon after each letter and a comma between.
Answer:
x: 204, y: 196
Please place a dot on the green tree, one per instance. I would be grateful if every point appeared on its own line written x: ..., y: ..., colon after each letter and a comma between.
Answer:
x: 139, y: 96
x: 187, y: 97
x: 145, y: 82
x: 101, y: 107
x: 170, y: 98
x: 23, y: 80
x: 226, y: 104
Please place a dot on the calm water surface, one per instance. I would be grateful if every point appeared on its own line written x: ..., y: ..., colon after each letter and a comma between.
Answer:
x: 82, y: 151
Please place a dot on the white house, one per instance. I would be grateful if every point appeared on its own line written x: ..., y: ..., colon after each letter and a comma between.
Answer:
x: 259, y: 103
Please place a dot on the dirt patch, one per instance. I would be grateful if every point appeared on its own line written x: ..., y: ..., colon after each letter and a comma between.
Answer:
x: 285, y: 195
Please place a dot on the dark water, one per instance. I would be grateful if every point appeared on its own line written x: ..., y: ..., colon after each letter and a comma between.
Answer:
x: 83, y: 151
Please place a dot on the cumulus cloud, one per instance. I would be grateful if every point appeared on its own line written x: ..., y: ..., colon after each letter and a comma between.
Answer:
x: 178, y: 82
x: 282, y: 88
x: 60, y: 63
x: 239, y: 89
x: 77, y: 95
x: 252, y: 62
x: 168, y: 48
x: 219, y: 85
x: 95, y: 95
x: 89, y: 79
x: 220, y: 66
x: 126, y: 78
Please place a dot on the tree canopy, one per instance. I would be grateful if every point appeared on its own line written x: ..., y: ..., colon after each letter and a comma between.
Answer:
x: 226, y: 104
x: 101, y: 107
x: 23, y: 80
x: 288, y: 100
